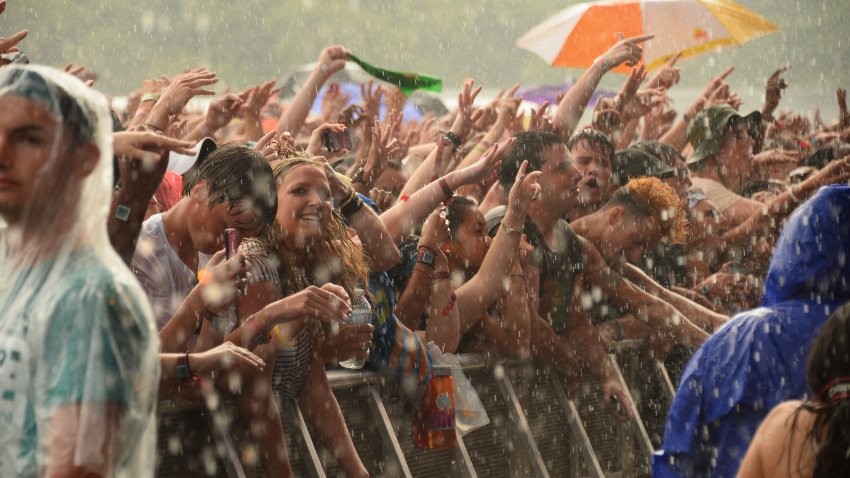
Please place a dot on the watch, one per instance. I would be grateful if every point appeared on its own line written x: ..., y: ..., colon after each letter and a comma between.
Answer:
x: 425, y: 256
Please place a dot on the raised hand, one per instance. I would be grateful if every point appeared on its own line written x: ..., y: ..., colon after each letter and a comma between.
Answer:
x: 383, y: 199
x: 539, y: 120
x: 256, y: 97
x: 265, y: 147
x: 525, y: 189
x: 773, y: 90
x: 667, y: 76
x: 332, y: 59
x: 7, y: 44
x: 383, y: 145
x: 146, y: 146
x: 222, y: 111
x: 715, y: 83
x: 435, y: 231
x: 626, y: 50
x: 81, y: 72
x: 606, y: 116
x: 371, y: 95
x: 843, y: 115
x: 177, y: 92
x: 333, y: 102
x: 485, y: 168
x: 466, y: 114
x: 315, y: 146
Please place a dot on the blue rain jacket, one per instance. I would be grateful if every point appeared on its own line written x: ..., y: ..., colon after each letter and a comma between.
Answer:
x: 758, y: 359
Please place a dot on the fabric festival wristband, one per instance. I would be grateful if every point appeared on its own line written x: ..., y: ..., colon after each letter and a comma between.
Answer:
x: 150, y: 97
x: 444, y: 185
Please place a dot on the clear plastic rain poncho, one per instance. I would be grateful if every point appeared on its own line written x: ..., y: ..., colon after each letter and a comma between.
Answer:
x: 79, y: 365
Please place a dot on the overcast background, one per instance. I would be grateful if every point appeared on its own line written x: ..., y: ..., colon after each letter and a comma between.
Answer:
x: 245, y: 42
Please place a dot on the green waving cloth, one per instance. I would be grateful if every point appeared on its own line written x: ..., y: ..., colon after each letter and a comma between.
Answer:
x: 407, y: 82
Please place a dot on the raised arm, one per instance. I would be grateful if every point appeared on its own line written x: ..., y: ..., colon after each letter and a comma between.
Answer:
x: 401, y: 219
x: 142, y: 160
x: 436, y: 164
x: 486, y: 286
x: 572, y: 105
x: 377, y: 242
x: 331, y: 60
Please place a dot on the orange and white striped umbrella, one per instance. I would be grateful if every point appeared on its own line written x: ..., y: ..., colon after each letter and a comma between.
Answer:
x: 574, y: 37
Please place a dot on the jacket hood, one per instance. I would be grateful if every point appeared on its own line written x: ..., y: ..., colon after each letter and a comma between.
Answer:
x: 811, y: 257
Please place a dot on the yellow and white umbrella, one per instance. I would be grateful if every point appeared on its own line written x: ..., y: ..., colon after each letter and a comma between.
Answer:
x: 574, y: 37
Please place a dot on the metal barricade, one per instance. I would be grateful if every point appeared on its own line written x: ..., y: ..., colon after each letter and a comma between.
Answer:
x: 538, y: 427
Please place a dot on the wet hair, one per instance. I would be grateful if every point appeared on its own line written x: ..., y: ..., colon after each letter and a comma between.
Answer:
x: 828, y: 360
x: 233, y: 173
x: 650, y: 197
x: 457, y: 212
x: 663, y: 151
x: 597, y: 141
x: 530, y: 146
x: 335, y: 253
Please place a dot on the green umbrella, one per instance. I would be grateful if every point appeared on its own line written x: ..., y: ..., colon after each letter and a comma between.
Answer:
x: 406, y: 81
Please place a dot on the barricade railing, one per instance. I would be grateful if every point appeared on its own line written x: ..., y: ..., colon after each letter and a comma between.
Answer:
x: 539, y: 426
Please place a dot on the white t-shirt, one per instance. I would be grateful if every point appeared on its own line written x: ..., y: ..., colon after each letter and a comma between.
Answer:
x: 164, y: 277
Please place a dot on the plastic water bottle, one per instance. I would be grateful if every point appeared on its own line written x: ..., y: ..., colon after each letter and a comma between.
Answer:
x: 361, y: 313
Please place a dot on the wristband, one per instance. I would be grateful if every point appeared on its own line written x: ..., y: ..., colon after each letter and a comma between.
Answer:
x: 150, y: 97
x: 445, y: 187
x: 351, y: 207
x: 351, y: 195
x: 182, y: 369
x: 426, y: 256
x: 442, y: 275
x: 454, y: 139
x: 621, y: 331
x: 511, y: 231
x: 357, y: 177
x: 124, y: 213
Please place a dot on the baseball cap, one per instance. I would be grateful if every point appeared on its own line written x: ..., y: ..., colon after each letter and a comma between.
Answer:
x: 633, y: 163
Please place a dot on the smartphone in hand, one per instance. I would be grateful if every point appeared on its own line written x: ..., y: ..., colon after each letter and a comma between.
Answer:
x: 334, y: 141
x: 231, y: 242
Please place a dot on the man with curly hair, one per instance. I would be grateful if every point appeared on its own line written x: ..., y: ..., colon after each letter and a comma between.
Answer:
x: 637, y: 217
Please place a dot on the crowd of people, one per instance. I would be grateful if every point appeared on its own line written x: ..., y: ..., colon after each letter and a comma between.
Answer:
x: 498, y: 229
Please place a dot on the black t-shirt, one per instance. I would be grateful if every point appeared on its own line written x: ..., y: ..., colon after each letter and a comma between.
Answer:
x: 558, y: 269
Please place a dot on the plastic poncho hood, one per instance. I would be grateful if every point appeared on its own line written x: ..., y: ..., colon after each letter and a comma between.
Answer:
x: 758, y: 359
x: 78, y: 347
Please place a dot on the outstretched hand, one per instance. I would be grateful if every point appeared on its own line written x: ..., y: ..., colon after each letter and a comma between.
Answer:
x: 178, y: 91
x: 626, y: 50
x: 484, y: 170
x: 466, y: 113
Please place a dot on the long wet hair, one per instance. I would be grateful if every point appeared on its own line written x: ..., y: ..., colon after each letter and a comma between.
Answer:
x: 829, y: 367
x: 335, y: 257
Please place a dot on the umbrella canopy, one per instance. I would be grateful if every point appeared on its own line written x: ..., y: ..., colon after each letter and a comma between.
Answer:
x: 574, y: 37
